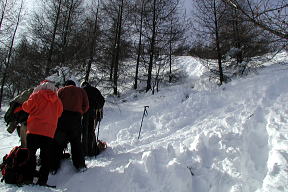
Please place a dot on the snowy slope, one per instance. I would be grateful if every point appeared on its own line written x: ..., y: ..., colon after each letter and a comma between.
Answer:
x: 197, y: 137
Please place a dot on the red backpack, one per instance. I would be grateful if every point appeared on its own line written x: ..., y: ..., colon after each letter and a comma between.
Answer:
x: 16, y: 166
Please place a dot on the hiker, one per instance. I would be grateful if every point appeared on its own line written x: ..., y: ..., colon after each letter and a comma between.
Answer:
x: 44, y: 108
x: 16, y: 118
x: 75, y: 104
x: 91, y: 118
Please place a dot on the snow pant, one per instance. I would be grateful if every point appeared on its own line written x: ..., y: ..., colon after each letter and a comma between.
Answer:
x: 88, y: 133
x: 69, y: 131
x: 45, y: 144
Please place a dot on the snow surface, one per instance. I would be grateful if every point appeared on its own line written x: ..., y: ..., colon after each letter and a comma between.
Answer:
x: 197, y: 137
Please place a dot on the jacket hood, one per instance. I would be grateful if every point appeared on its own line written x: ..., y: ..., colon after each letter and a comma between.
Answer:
x: 46, y: 85
x: 48, y: 95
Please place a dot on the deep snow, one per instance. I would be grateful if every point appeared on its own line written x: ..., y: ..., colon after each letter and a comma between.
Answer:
x: 197, y: 137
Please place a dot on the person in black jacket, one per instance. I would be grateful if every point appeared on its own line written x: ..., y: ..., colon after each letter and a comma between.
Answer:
x: 91, y: 118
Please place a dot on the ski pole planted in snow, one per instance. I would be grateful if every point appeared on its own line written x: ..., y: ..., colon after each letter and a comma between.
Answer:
x: 98, y: 130
x: 145, y: 113
x: 97, y: 121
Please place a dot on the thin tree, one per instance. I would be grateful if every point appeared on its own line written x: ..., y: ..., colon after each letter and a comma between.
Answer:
x: 7, y: 63
x: 209, y: 16
x: 117, y: 48
x: 266, y: 14
x: 93, y: 37
x: 66, y: 30
x: 177, y: 28
x: 52, y: 42
x: 152, y: 47
x: 72, y: 11
x: 8, y: 8
x: 3, y: 11
x: 217, y: 41
x: 139, y: 44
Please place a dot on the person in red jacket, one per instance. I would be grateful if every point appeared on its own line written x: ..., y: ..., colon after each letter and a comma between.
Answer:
x: 75, y: 104
x: 44, y: 108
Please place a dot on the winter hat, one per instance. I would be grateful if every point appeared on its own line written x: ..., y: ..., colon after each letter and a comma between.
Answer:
x: 45, y: 85
x: 69, y: 82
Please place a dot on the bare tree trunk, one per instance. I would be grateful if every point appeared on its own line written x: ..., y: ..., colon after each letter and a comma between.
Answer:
x: 219, y: 57
x: 66, y: 32
x: 115, y: 75
x: 152, y: 46
x: 7, y: 64
x: 239, y: 56
x: 92, y: 45
x: 157, y: 80
x: 3, y: 13
x: 139, y: 46
x: 170, y: 53
x: 114, y: 49
x: 49, y: 59
x: 256, y: 19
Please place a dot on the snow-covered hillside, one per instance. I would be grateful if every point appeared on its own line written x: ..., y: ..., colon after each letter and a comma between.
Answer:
x: 197, y: 137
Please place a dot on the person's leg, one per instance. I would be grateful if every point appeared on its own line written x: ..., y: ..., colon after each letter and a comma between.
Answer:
x: 75, y: 141
x: 84, y: 139
x: 32, y: 145
x: 59, y: 143
x: 92, y: 147
x: 23, y: 135
x: 72, y: 125
x: 46, y: 149
x: 77, y: 152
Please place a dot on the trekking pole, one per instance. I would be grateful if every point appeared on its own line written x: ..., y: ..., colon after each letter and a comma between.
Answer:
x: 145, y: 113
x: 98, y: 119
x: 98, y: 130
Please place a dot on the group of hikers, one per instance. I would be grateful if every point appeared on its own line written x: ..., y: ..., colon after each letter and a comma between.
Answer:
x: 49, y: 118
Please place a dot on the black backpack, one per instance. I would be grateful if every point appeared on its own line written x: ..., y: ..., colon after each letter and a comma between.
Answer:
x: 19, y: 116
x: 9, y: 115
x: 16, y: 167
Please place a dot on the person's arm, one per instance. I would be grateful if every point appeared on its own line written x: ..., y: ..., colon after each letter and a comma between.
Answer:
x: 31, y: 104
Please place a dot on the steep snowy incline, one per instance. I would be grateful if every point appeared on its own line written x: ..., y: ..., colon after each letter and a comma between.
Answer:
x: 196, y: 137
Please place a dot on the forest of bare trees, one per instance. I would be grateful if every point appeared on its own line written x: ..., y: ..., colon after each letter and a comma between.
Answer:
x: 232, y: 34
x: 101, y: 40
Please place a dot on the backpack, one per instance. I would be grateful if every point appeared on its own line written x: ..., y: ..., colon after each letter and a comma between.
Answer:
x: 96, y: 99
x: 16, y: 166
x: 14, y: 114
x: 9, y: 115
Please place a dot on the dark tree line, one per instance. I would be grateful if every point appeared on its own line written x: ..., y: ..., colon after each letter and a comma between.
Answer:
x: 130, y: 43
x: 100, y: 41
